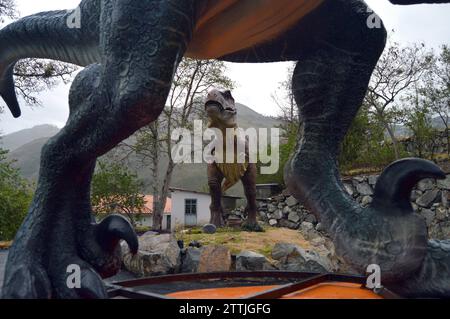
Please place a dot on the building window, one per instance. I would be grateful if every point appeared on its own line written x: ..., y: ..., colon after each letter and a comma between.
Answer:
x: 190, y: 206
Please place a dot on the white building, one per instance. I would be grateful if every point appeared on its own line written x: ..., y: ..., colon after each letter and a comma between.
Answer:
x: 191, y: 208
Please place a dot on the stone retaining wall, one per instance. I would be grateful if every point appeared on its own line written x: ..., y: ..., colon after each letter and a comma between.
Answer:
x: 429, y: 198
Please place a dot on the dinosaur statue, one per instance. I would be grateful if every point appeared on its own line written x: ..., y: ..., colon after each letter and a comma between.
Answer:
x: 221, y: 111
x: 130, y: 50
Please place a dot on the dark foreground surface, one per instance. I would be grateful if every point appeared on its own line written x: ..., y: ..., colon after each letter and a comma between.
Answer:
x: 3, y: 256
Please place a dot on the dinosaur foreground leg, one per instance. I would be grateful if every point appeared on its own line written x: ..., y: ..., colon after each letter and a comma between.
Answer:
x: 337, y: 53
x: 329, y: 86
x: 108, y: 102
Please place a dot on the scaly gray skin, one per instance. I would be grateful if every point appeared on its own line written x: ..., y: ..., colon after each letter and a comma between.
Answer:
x: 132, y: 49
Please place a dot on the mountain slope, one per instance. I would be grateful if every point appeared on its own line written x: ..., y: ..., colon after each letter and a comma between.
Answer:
x: 189, y: 176
x: 15, y: 140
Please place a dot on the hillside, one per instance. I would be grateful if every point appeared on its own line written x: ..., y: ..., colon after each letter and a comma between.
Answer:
x: 15, y: 140
x: 27, y: 150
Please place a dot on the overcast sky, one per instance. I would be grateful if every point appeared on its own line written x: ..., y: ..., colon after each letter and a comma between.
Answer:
x: 256, y: 82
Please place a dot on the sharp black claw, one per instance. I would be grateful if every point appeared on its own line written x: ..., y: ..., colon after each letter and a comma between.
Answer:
x: 8, y: 93
x: 394, y: 186
x: 114, y: 228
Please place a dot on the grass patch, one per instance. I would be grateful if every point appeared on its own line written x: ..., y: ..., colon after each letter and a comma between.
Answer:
x: 237, y: 240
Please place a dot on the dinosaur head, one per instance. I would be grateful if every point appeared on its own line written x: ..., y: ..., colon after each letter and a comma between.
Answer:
x: 221, y: 109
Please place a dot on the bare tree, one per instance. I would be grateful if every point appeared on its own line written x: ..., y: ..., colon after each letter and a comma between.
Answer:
x: 154, y: 144
x: 436, y: 90
x: 397, y: 71
x: 287, y: 107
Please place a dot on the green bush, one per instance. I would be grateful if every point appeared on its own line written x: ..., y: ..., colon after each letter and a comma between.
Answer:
x: 15, y: 198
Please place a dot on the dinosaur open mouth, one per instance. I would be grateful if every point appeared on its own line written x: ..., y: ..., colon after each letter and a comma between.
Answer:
x: 220, y: 106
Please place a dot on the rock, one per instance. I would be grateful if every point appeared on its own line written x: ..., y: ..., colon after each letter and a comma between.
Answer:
x: 310, y: 218
x: 287, y: 210
x: 293, y: 258
x: 293, y: 217
x: 445, y: 183
x: 364, y: 189
x: 306, y: 227
x: 209, y: 229
x: 251, y: 261
x: 157, y: 255
x: 318, y: 241
x: 214, y: 258
x: 271, y: 208
x: 415, y: 194
x: 191, y: 260
x: 287, y: 224
x: 425, y: 185
x: 366, y: 200
x: 429, y: 216
x: 428, y: 198
x: 349, y: 189
x: 278, y: 214
x: 372, y: 180
x: 441, y: 214
x: 291, y: 201
x: 359, y: 179
x: 273, y: 222
x: 320, y: 227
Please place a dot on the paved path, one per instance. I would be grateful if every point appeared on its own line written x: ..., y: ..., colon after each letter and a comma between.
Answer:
x: 3, y: 256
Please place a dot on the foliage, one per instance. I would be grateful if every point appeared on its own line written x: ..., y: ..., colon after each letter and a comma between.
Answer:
x: 399, y: 69
x: 116, y: 190
x: 15, y: 198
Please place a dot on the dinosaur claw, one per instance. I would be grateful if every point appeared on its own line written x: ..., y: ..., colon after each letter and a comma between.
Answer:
x: 394, y: 186
x: 114, y: 228
x: 8, y: 93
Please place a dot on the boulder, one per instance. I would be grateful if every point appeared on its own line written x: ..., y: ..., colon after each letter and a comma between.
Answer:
x: 278, y: 214
x: 273, y: 222
x: 157, y: 255
x: 293, y: 217
x: 372, y: 180
x: 191, y: 260
x: 291, y: 201
x: 290, y: 257
x: 428, y: 198
x: 364, y: 189
x: 445, y: 183
x: 310, y: 218
x: 214, y: 258
x: 366, y: 200
x: 209, y: 229
x: 271, y: 208
x: 251, y: 261
x: 425, y: 185
x: 349, y: 189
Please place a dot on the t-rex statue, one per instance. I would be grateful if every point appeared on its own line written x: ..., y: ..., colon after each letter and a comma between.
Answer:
x: 221, y: 111
x: 130, y: 50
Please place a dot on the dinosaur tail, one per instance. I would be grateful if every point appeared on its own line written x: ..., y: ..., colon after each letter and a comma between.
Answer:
x: 67, y: 36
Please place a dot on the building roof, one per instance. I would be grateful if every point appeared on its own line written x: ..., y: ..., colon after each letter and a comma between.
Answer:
x: 149, y: 205
x: 175, y: 189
